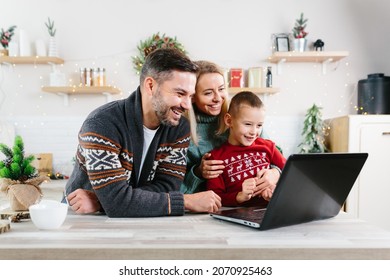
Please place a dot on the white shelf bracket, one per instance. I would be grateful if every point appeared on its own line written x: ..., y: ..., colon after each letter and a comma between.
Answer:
x: 66, y: 98
x: 108, y: 96
x: 324, y: 64
x: 279, y: 66
x: 53, y: 66
x: 264, y: 97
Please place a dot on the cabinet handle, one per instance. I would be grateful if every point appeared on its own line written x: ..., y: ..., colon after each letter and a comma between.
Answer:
x: 386, y: 133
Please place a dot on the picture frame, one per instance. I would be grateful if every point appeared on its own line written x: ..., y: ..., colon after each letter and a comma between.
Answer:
x: 282, y: 43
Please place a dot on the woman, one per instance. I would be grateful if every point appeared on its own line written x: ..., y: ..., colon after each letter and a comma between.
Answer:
x: 210, y: 104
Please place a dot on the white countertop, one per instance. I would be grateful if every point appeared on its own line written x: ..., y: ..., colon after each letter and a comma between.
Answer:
x: 193, y: 236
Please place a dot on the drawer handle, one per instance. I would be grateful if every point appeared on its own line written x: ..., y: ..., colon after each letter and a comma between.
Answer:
x: 385, y: 133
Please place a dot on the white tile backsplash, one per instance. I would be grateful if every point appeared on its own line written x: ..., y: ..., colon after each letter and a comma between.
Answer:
x: 58, y: 135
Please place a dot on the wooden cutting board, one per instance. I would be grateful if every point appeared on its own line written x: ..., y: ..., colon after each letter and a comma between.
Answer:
x: 4, y: 226
x: 14, y: 216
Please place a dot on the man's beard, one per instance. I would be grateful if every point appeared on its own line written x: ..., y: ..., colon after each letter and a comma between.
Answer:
x: 162, y: 109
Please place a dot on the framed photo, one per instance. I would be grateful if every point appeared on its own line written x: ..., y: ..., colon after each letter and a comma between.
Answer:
x: 281, y: 42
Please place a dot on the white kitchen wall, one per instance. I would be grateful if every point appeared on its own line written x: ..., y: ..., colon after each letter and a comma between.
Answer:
x: 231, y: 33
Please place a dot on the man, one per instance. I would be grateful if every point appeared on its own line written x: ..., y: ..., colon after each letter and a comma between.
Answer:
x: 131, y: 157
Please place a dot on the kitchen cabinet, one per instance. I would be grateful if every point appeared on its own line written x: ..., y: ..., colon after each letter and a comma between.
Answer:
x: 309, y: 56
x: 369, y: 198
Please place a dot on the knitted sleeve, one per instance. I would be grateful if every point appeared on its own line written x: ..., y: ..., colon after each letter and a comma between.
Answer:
x: 109, y: 169
x: 192, y: 183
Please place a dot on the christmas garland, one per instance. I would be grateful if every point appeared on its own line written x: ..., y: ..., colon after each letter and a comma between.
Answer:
x: 152, y: 43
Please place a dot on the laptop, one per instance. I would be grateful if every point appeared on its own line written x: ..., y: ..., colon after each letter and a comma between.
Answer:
x: 311, y: 187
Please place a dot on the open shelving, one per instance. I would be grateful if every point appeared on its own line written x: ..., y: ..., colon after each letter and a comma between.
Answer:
x: 262, y: 90
x: 65, y: 91
x: 308, y: 56
x: 31, y: 60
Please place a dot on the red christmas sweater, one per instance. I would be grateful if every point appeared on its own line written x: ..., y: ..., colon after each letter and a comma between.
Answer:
x: 241, y: 163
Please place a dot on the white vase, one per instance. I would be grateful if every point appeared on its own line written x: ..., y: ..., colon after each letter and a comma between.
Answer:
x: 24, y: 43
x: 53, y: 50
x: 300, y: 44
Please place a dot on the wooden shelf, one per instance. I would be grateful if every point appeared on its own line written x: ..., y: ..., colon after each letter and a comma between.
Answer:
x: 65, y: 91
x: 31, y: 60
x: 312, y: 56
x: 263, y: 90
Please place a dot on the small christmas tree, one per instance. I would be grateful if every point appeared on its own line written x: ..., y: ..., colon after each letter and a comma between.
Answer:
x: 313, y: 132
x: 18, y: 178
x: 16, y: 166
x: 299, y: 28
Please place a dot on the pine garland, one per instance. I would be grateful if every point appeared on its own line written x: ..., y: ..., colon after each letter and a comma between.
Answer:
x: 152, y: 43
x: 16, y: 166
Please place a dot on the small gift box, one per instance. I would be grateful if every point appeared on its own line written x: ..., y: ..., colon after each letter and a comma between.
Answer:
x: 237, y: 77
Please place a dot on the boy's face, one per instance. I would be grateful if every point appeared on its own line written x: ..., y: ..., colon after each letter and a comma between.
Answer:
x: 246, y: 126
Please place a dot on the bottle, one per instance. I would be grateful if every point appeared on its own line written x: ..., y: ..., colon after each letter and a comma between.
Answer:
x: 82, y: 76
x: 96, y: 77
x: 102, y: 75
x: 88, y: 77
x: 268, y: 79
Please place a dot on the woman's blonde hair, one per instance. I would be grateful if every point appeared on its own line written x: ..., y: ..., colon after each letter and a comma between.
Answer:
x: 207, y: 67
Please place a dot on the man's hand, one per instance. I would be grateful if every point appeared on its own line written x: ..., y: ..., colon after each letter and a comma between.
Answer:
x: 207, y: 201
x: 83, y: 201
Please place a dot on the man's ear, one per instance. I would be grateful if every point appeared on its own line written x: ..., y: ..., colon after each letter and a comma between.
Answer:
x: 149, y: 84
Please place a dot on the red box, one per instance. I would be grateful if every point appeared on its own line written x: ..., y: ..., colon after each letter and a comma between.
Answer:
x: 237, y: 77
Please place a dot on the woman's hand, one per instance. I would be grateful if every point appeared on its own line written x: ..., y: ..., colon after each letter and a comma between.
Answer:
x: 209, y: 169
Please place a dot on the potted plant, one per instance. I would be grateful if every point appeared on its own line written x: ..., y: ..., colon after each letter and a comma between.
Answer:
x: 5, y: 38
x: 53, y: 51
x: 18, y: 178
x: 300, y: 34
x: 313, y: 132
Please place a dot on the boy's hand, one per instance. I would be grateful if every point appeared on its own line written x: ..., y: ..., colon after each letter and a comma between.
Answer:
x: 267, y: 179
x: 248, y: 189
x: 267, y: 194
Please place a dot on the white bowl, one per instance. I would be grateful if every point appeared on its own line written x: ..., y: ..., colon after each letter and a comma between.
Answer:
x: 48, y: 214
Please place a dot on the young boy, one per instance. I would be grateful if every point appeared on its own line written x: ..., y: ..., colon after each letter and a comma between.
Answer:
x: 245, y: 155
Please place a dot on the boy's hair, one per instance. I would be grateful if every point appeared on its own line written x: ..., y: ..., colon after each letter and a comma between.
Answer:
x: 244, y: 98
x: 207, y: 67
x: 160, y: 63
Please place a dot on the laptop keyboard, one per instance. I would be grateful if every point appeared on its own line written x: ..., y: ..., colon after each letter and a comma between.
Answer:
x: 252, y: 215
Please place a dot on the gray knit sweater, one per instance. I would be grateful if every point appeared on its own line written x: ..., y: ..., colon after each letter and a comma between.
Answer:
x: 109, y: 155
